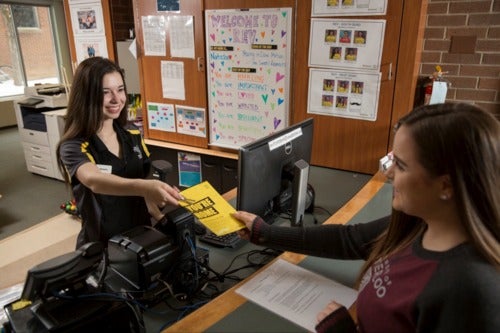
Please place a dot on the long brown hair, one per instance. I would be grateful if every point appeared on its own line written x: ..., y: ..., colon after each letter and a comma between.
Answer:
x: 84, y: 115
x: 462, y: 141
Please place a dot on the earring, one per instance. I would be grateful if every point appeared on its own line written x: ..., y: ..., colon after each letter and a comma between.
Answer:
x: 444, y: 197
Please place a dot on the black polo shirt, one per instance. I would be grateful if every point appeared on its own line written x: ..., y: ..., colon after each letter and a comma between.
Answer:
x: 104, y: 216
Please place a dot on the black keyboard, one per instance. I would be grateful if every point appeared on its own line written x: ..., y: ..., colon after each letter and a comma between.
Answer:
x: 228, y: 240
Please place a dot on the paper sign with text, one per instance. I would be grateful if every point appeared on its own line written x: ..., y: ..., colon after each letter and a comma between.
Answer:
x: 213, y: 211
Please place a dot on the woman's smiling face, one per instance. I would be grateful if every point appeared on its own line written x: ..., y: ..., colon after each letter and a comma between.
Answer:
x: 114, y: 95
x: 415, y: 191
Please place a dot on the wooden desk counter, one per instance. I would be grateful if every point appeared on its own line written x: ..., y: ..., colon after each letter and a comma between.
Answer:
x: 206, y: 316
x: 41, y: 242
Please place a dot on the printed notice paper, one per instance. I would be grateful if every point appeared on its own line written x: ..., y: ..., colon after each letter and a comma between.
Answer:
x: 295, y: 293
x: 210, y: 208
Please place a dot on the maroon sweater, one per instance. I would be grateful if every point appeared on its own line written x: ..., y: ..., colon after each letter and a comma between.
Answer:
x: 415, y: 290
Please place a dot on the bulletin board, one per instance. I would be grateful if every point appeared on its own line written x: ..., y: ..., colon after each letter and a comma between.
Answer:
x: 248, y: 72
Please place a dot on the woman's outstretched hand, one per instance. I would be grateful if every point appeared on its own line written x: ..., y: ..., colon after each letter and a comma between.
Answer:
x: 248, y: 219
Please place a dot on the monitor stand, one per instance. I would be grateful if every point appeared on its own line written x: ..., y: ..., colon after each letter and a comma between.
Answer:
x: 270, y: 218
x: 299, y: 192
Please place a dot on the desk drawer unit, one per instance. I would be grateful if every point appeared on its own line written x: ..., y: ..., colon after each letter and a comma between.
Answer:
x: 40, y: 167
x: 36, y: 152
x: 37, y: 137
x: 38, y: 159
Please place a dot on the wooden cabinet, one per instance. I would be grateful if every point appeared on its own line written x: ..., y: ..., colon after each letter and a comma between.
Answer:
x: 194, y: 72
x: 219, y: 169
x: 195, y: 76
x: 341, y: 143
x: 357, y: 145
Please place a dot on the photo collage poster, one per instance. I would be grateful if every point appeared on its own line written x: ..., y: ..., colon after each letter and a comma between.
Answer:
x: 346, y: 44
x: 344, y: 60
x: 344, y: 94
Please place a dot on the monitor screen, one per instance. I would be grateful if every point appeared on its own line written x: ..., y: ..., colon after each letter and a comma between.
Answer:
x: 267, y: 168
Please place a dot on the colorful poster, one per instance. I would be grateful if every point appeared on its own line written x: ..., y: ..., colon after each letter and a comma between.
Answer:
x: 344, y: 94
x: 161, y: 117
x: 191, y: 121
x: 189, y: 169
x: 346, y: 44
x: 248, y: 60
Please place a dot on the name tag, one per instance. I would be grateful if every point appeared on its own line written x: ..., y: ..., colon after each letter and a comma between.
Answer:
x: 104, y: 168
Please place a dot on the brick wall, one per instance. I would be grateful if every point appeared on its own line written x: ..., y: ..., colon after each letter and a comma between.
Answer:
x: 463, y: 37
x: 38, y: 49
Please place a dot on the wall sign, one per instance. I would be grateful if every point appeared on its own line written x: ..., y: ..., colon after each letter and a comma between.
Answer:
x: 248, y: 71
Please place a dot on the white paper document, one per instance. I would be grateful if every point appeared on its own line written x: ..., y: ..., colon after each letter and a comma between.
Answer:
x: 295, y: 293
x: 172, y: 79
x: 439, y: 89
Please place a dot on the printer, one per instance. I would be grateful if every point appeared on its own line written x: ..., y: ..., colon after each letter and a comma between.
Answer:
x: 40, y: 116
x: 45, y: 96
x: 143, y: 256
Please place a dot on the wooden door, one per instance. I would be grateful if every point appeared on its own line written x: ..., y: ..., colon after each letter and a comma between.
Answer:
x: 353, y: 144
x: 150, y: 69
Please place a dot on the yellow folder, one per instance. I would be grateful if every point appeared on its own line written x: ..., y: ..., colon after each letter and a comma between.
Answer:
x: 210, y: 208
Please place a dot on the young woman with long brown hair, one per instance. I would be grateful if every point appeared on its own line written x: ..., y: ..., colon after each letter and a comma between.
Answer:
x: 433, y: 265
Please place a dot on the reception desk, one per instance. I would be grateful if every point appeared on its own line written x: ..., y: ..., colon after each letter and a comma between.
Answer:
x: 231, y: 312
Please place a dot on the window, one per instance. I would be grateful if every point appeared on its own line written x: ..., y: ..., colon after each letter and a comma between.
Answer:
x: 29, y: 55
x: 25, y: 16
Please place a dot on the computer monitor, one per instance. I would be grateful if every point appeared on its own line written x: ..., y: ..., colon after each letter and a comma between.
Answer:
x: 65, y: 272
x: 273, y: 173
